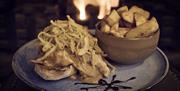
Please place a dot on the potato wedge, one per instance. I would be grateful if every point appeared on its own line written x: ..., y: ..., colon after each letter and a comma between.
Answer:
x: 128, y: 16
x: 139, y: 19
x: 113, y: 18
x: 122, y: 9
x: 105, y: 27
x: 144, y: 30
x: 121, y: 32
x: 115, y: 26
x: 141, y: 11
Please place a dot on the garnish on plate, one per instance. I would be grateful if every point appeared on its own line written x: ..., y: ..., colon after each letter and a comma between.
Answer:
x: 114, y: 85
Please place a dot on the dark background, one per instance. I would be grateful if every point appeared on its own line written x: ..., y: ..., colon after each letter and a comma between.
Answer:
x: 21, y: 20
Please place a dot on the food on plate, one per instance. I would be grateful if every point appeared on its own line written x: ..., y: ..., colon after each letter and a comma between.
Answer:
x: 128, y: 16
x: 120, y: 32
x: 139, y: 19
x: 129, y: 23
x: 122, y: 9
x: 105, y: 28
x: 113, y: 18
x: 68, y: 50
x: 136, y: 9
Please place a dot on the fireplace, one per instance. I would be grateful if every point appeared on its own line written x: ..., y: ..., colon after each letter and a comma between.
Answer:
x: 92, y: 12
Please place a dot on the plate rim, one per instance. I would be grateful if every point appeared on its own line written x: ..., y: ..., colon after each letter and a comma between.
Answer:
x: 165, y: 71
x: 39, y: 88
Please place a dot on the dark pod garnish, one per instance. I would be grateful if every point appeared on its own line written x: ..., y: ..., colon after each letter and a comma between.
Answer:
x: 114, y: 85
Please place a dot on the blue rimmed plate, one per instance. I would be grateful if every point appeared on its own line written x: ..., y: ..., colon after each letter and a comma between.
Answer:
x: 147, y: 74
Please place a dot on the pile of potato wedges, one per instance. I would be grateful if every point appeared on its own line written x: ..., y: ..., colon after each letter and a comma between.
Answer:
x: 133, y: 22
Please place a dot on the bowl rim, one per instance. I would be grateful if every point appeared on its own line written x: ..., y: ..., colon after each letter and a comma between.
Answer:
x: 144, y: 38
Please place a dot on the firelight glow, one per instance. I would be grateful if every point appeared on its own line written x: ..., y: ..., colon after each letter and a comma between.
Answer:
x: 104, y: 7
x: 81, y: 7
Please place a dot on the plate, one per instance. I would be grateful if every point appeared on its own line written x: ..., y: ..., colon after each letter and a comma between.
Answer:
x: 146, y: 74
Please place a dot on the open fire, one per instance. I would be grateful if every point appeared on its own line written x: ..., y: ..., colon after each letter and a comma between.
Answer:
x: 104, y: 7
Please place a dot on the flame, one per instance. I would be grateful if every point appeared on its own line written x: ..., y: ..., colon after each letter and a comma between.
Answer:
x: 80, y: 5
x: 104, y: 7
